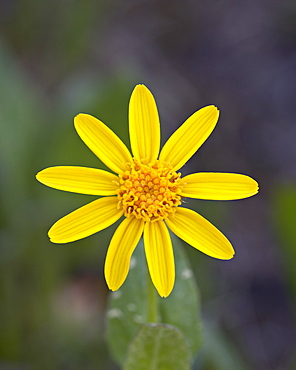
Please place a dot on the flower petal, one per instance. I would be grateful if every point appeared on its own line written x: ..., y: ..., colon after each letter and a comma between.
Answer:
x: 81, y: 180
x: 144, y: 124
x: 200, y: 233
x: 219, y: 186
x: 185, y: 141
x: 85, y: 221
x: 122, y: 245
x: 103, y: 142
x: 160, y: 256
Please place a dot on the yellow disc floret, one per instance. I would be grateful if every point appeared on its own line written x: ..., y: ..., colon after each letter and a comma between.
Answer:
x: 149, y: 191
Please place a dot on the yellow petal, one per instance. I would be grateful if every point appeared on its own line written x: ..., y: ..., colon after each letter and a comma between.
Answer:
x: 103, y: 142
x: 144, y: 124
x: 185, y: 141
x: 85, y: 221
x: 219, y: 186
x: 122, y: 245
x: 81, y: 180
x: 200, y: 234
x: 160, y: 256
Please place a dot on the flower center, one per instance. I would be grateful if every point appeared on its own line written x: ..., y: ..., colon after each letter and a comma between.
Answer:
x: 149, y: 191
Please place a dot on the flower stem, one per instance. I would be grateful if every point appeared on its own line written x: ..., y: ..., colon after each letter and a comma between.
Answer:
x: 152, y: 302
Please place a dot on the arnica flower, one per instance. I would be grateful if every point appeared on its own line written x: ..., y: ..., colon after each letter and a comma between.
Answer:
x: 146, y: 188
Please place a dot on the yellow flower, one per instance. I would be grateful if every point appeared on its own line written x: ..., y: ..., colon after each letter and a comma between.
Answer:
x: 146, y: 188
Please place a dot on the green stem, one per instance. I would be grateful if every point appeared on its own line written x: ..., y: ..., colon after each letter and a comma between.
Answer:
x: 152, y: 302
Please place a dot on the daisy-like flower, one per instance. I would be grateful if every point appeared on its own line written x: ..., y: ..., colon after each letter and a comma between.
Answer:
x: 147, y: 190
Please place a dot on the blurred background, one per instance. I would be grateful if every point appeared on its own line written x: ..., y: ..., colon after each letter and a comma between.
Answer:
x: 60, y: 58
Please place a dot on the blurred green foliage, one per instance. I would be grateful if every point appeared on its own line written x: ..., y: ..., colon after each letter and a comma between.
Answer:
x: 44, y: 322
x: 284, y: 219
x: 53, y: 297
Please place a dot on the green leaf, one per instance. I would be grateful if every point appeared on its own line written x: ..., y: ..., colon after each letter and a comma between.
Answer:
x: 128, y: 307
x: 182, y: 307
x: 158, y: 347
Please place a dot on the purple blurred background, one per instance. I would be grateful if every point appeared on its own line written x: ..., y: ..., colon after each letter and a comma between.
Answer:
x: 61, y: 58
